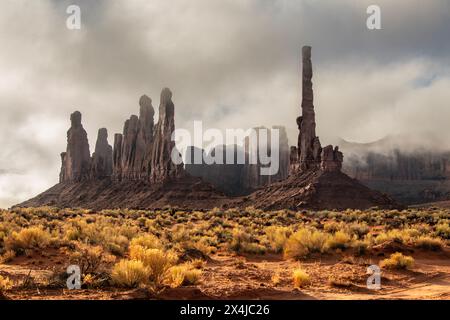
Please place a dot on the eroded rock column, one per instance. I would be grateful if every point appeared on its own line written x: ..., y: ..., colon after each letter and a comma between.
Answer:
x: 76, y: 160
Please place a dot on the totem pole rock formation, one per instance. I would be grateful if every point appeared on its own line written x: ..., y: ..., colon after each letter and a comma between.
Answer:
x: 101, y: 166
x: 309, y: 148
x: 310, y: 155
x: 76, y: 160
x: 315, y: 178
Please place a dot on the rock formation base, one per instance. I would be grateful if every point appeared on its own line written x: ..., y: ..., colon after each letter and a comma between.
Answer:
x: 187, y: 193
x: 318, y: 190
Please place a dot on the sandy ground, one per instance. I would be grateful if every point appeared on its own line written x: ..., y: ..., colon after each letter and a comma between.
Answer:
x: 228, y: 276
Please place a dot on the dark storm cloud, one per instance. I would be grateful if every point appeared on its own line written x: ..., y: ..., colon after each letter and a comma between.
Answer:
x: 229, y: 63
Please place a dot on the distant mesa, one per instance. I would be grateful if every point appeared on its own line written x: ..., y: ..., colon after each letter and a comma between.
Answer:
x: 137, y: 171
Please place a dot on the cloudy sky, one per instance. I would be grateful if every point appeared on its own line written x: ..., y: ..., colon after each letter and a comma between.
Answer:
x: 230, y: 63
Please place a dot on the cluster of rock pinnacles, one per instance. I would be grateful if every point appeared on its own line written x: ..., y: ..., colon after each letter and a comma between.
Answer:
x: 143, y: 151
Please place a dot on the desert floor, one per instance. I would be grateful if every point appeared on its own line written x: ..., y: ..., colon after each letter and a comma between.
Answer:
x: 236, y: 277
x: 247, y: 254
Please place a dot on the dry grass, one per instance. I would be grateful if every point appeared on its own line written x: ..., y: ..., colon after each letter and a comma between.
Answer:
x: 5, y: 283
x: 90, y: 259
x: 300, y: 278
x: 130, y: 274
x: 156, y: 261
x: 148, y: 241
x: 339, y: 240
x: 8, y: 256
x: 28, y: 238
x: 304, y: 242
x: 182, y: 275
x: 277, y: 237
x: 398, y: 261
x: 429, y: 243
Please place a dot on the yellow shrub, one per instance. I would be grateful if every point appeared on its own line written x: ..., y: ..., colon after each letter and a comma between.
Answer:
x: 304, y: 242
x: 276, y: 279
x: 29, y: 238
x: 5, y: 283
x: 198, y: 263
x: 429, y: 243
x: 192, y: 276
x: 400, y: 236
x: 156, y: 260
x: 242, y: 242
x: 300, y: 278
x: 277, y: 237
x: 175, y: 276
x: 130, y: 273
x: 443, y: 230
x: 148, y: 241
x: 7, y: 256
x: 339, y: 240
x: 182, y: 275
x: 397, y: 261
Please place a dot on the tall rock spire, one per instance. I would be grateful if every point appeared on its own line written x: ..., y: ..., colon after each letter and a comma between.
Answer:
x: 102, y: 158
x: 162, y: 167
x: 309, y: 147
x: 77, y: 158
x: 144, y: 140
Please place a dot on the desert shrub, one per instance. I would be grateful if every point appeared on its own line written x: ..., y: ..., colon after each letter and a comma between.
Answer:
x: 156, y: 260
x: 397, y: 261
x: 198, y: 263
x: 28, y: 238
x: 182, y: 275
x: 205, y: 244
x: 276, y: 279
x: 90, y: 258
x: 130, y: 273
x: 242, y: 242
x: 117, y: 245
x: 148, y: 241
x: 333, y: 226
x: 429, y: 243
x: 358, y: 229
x: 360, y: 246
x: 106, y: 232
x: 277, y: 237
x: 339, y: 240
x: 5, y: 283
x: 400, y: 236
x: 7, y: 256
x: 300, y: 278
x: 304, y: 242
x: 443, y: 230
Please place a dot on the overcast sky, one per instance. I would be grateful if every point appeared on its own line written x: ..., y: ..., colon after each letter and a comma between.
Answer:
x: 230, y: 63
